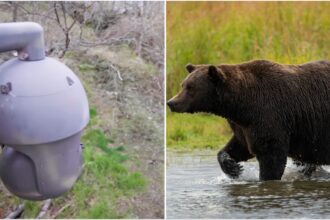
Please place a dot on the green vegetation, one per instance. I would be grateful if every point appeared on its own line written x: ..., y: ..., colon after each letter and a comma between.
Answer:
x: 31, y: 209
x: 234, y: 32
x: 105, y: 180
x: 188, y: 131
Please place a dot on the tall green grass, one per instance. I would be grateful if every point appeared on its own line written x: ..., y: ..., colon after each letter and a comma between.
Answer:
x: 234, y: 32
x: 187, y: 132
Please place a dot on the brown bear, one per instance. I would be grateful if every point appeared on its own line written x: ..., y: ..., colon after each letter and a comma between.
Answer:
x: 275, y: 111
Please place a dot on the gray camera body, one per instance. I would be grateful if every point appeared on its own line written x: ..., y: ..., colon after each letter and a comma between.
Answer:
x: 43, y: 111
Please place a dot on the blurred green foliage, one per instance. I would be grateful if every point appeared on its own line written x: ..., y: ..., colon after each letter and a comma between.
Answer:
x: 186, y: 131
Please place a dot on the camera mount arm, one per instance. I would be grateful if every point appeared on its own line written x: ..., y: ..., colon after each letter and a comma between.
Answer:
x: 27, y: 38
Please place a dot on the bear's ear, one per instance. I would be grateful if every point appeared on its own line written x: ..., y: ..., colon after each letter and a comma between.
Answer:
x: 215, y: 74
x: 190, y: 68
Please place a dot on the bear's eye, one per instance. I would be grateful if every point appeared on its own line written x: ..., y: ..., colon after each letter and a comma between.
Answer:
x: 189, y: 87
x: 190, y: 90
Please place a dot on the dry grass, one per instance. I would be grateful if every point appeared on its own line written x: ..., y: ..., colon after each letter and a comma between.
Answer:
x: 234, y: 32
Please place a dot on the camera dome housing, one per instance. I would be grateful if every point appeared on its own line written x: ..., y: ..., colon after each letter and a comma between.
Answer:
x: 43, y: 111
x: 41, y: 171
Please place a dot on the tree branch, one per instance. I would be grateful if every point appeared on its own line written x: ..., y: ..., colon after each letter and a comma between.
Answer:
x: 44, y: 208
x: 17, y: 212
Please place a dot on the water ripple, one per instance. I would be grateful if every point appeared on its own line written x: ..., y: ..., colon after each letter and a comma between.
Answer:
x: 196, y: 188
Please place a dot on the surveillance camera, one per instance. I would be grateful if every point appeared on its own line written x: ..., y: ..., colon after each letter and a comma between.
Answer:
x: 43, y: 111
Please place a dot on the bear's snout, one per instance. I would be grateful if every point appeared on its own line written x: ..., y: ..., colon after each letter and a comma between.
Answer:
x: 177, y: 105
x: 171, y: 104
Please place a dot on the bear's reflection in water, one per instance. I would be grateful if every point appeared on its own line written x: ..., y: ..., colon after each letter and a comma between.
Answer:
x: 274, y: 195
x: 197, y: 188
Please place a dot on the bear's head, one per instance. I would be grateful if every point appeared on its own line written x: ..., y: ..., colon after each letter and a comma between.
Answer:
x: 200, y: 90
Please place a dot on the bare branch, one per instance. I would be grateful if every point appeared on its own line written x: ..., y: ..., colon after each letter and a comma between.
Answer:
x: 116, y: 70
x: 64, y: 15
x: 35, y: 13
x: 62, y: 209
x: 71, y: 26
x: 17, y: 212
x: 57, y: 17
x: 44, y: 208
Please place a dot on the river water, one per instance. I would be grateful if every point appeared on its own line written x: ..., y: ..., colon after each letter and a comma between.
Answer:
x: 197, y: 188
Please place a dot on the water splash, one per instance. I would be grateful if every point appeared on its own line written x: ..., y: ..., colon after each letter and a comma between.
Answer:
x: 197, y: 188
x: 250, y: 174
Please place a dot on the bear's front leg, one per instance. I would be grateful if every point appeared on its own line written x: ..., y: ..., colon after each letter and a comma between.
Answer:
x: 228, y: 165
x: 229, y: 157
x: 272, y: 157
